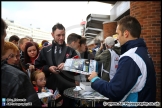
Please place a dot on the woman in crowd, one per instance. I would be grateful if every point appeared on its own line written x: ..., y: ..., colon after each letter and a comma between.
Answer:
x: 11, y: 55
x: 30, y: 54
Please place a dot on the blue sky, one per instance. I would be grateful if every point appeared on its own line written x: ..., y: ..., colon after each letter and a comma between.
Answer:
x: 45, y: 14
x: 14, y: 6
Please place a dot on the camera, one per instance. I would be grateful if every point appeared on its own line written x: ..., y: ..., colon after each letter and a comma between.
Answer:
x: 116, y: 41
x: 104, y: 46
x: 27, y: 65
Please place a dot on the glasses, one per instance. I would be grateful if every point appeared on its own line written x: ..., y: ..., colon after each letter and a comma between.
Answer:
x: 11, y: 56
x: 41, y: 80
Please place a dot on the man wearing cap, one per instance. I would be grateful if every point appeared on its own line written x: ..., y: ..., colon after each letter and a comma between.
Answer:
x: 109, y: 58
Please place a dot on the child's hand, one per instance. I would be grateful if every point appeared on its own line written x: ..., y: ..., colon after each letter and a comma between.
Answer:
x: 57, y: 96
x: 77, y: 83
x: 43, y: 89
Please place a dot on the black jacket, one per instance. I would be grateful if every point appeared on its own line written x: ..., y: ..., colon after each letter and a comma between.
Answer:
x: 47, y: 58
x: 16, y: 84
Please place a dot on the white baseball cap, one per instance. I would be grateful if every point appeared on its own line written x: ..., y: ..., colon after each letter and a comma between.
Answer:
x: 109, y: 41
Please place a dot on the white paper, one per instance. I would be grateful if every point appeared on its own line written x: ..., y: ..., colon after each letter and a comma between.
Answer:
x: 86, y: 93
x: 82, y: 66
x: 44, y: 94
x: 78, y: 88
x: 55, y: 93
x: 93, y: 95
x: 68, y: 62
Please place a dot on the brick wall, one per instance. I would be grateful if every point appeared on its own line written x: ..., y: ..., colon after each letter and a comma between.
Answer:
x: 149, y: 15
x: 109, y: 29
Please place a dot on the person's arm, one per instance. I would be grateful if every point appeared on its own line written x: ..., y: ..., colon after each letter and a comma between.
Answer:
x: 97, y: 55
x: 23, y: 89
x: 125, y: 78
x: 103, y: 56
x: 40, y: 63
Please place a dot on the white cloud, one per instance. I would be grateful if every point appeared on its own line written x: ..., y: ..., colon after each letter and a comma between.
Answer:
x: 45, y: 14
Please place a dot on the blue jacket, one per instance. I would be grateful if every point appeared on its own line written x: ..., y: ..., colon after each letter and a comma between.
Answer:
x: 135, y: 79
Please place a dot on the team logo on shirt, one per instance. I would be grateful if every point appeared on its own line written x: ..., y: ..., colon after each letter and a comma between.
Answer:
x: 116, y: 66
x: 117, y: 59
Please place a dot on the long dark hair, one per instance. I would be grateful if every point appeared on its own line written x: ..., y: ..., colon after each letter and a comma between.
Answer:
x: 26, y: 56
